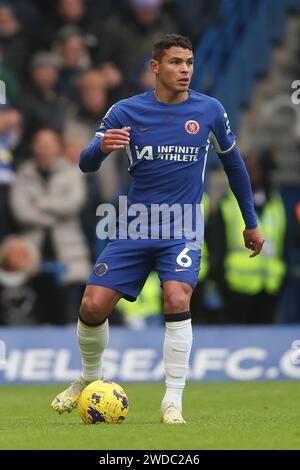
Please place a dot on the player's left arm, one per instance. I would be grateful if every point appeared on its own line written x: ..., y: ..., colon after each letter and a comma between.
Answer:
x: 240, y: 185
x: 224, y: 143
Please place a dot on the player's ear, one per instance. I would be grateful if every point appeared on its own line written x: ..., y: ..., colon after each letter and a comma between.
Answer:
x: 154, y: 66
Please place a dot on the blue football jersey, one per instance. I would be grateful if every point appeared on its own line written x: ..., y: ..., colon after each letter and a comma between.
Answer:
x: 169, y: 145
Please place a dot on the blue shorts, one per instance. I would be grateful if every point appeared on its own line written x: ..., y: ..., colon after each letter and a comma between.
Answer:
x: 124, y: 265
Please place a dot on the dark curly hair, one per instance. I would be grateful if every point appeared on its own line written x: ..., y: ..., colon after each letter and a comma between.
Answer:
x: 167, y: 41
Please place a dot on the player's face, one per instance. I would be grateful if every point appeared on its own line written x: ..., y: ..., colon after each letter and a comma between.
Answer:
x: 175, y: 69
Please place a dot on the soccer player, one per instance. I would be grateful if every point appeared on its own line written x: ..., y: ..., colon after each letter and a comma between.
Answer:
x: 167, y: 132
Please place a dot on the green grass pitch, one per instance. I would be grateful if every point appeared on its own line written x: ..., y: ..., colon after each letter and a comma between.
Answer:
x: 256, y: 415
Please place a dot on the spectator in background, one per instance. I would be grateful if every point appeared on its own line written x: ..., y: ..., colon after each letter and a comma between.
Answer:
x: 74, y: 13
x: 74, y: 59
x: 133, y: 30
x: 27, y: 295
x: 11, y: 83
x: 250, y: 287
x: 46, y: 198
x: 73, y: 144
x: 85, y: 115
x: 84, y: 119
x: 7, y: 117
x: 40, y: 103
x: 14, y: 41
x: 16, y: 133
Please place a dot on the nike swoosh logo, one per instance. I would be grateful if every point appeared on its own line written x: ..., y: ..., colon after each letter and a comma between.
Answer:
x: 178, y: 270
x: 144, y: 129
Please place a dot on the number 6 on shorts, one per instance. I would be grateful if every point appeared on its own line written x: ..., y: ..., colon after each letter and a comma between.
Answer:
x: 183, y: 259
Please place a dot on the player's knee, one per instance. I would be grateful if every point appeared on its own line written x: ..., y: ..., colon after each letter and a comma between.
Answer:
x: 176, y: 302
x: 90, y: 310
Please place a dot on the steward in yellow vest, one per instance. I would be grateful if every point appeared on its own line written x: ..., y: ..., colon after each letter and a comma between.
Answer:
x: 147, y: 309
x: 205, y: 304
x: 250, y: 286
x: 204, y: 265
x: 264, y: 272
x: 296, y: 232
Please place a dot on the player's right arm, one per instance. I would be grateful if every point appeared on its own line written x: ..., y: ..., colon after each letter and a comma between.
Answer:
x: 110, y: 136
x: 115, y: 139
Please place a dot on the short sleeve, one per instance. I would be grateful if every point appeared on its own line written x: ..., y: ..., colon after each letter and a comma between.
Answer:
x: 111, y: 120
x: 221, y: 136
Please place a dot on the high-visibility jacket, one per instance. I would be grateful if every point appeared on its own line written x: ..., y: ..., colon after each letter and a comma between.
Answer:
x: 204, y: 265
x: 265, y: 271
x: 148, y: 302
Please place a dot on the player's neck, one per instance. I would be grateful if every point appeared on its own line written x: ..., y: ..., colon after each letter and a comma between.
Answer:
x: 169, y: 97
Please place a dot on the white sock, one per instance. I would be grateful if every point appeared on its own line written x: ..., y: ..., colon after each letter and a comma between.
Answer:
x: 92, y: 341
x: 177, y: 348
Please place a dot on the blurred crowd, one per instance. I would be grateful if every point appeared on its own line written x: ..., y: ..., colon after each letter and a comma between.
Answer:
x: 64, y: 63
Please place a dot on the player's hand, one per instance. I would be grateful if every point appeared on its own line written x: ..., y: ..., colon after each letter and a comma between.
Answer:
x: 253, y: 240
x: 115, y: 139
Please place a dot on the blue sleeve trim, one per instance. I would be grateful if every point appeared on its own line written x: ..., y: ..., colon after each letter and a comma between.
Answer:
x: 92, y: 156
x: 240, y: 185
